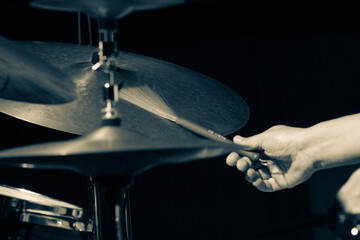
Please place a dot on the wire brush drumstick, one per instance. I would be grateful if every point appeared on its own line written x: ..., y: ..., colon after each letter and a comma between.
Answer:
x: 147, y: 99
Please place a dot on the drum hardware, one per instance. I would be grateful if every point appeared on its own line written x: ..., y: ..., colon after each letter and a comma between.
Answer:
x: 112, y: 155
x: 191, y: 95
x: 122, y: 153
x: 95, y: 204
x: 22, y: 210
x: 107, y: 54
x: 93, y: 196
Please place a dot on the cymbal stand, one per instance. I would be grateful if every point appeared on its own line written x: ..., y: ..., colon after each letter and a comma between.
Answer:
x: 107, y: 54
x: 110, y: 195
x: 112, y: 208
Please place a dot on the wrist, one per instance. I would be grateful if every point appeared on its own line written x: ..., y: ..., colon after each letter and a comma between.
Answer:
x: 312, y: 145
x: 333, y: 143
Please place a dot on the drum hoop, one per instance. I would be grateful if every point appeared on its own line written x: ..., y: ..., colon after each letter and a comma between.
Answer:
x: 33, y: 197
x: 56, y: 211
x: 50, y: 221
x: 32, y: 210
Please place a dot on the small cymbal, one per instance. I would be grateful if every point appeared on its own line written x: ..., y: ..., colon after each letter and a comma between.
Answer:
x: 106, y: 8
x: 191, y: 95
x: 113, y: 151
x: 25, y: 77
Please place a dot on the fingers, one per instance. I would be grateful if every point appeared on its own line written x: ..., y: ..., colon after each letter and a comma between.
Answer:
x: 249, y: 143
x: 232, y: 159
x: 251, y: 175
x: 246, y: 144
x: 264, y: 173
x: 260, y: 180
x: 268, y: 184
x: 243, y: 164
x: 262, y: 185
x: 252, y: 155
x: 263, y: 179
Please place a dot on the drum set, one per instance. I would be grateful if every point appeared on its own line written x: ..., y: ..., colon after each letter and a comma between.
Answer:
x: 133, y: 113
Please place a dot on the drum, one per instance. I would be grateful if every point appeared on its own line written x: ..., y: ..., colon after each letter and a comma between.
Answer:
x: 29, y: 215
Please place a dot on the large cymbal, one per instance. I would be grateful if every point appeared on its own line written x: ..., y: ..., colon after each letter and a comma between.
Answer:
x: 105, y: 8
x: 113, y: 151
x: 191, y: 95
x: 26, y: 77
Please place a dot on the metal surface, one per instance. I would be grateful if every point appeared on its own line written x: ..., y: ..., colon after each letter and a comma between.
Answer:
x: 30, y: 207
x: 112, y: 151
x: 191, y: 95
x: 25, y: 77
x: 105, y: 8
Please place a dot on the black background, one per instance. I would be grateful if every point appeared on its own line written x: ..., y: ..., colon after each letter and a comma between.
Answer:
x: 294, y: 62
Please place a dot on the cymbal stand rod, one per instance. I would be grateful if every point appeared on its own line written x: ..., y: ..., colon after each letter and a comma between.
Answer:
x: 107, y: 38
x: 112, y: 201
x: 79, y: 28
x: 89, y: 29
x: 94, y: 206
x: 128, y: 220
x: 107, y: 55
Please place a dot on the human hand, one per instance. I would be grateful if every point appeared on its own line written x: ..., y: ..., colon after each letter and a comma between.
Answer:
x: 349, y: 194
x: 284, y: 146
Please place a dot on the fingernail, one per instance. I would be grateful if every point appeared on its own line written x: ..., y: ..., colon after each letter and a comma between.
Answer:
x: 238, y: 138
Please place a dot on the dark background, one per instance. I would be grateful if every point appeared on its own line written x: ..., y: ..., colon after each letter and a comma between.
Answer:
x: 294, y: 62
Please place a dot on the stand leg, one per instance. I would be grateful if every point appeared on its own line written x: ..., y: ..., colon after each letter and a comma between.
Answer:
x: 94, y: 207
x: 128, y: 215
x: 111, y: 205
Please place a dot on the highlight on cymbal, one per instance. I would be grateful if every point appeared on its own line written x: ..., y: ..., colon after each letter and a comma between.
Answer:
x: 28, y: 78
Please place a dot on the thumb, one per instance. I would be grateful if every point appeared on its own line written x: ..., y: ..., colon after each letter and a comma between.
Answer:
x: 249, y: 143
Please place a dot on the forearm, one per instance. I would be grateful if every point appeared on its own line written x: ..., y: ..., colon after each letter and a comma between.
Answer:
x: 334, y: 143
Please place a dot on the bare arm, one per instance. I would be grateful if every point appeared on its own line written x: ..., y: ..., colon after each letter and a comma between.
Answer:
x: 334, y: 143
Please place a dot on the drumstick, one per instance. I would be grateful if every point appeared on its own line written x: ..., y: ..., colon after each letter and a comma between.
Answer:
x: 145, y: 98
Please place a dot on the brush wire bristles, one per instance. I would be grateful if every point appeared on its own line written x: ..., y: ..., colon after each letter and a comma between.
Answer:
x: 147, y: 99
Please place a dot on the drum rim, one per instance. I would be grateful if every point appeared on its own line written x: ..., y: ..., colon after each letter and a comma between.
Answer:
x: 32, y: 210
x: 53, y: 202
x: 51, y: 221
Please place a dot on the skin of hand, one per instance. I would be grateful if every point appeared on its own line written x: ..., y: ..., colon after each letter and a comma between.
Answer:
x: 282, y: 145
x: 298, y: 152
x: 349, y: 194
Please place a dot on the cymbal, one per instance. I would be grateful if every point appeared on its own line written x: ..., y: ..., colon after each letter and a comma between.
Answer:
x: 193, y: 96
x: 113, y: 151
x: 106, y: 8
x: 28, y: 78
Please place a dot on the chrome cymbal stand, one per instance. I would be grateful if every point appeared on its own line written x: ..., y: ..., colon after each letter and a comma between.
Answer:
x: 110, y: 195
x: 107, y: 55
x: 111, y: 203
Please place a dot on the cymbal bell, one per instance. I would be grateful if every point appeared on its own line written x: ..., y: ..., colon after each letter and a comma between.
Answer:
x: 114, y: 9
x: 113, y: 151
x: 193, y: 96
x: 28, y: 78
